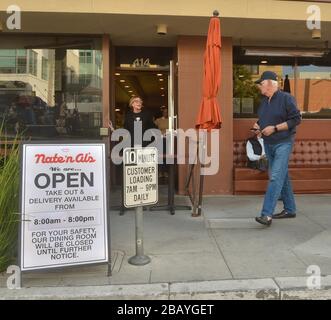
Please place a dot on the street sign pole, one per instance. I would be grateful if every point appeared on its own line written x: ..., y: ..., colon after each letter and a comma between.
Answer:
x: 140, y: 188
x: 139, y: 259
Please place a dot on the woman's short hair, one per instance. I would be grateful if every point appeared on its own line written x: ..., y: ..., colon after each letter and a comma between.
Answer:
x: 133, y: 99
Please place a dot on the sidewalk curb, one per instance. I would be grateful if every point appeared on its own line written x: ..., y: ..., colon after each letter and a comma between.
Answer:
x: 248, y: 289
x: 225, y: 290
x: 295, y: 288
x: 158, y: 291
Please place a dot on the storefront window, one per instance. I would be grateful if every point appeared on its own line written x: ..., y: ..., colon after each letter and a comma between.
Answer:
x: 51, y: 93
x: 307, y: 79
x: 44, y: 68
x: 313, y: 91
x: 246, y: 97
x: 33, y: 62
x: 13, y: 61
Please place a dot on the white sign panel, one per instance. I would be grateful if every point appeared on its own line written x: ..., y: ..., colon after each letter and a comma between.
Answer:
x: 63, y: 205
x: 140, y: 176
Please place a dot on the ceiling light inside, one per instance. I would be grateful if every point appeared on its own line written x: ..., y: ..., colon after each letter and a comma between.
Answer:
x: 285, y: 52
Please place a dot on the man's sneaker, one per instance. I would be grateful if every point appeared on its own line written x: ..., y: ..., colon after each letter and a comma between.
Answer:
x: 265, y: 220
x: 283, y: 215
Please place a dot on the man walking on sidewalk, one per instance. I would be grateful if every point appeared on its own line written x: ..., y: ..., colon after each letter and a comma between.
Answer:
x: 278, y: 118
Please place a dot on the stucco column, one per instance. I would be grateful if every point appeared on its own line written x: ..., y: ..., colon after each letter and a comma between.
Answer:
x: 190, y: 71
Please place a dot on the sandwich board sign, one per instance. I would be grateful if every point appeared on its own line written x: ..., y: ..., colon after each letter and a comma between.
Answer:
x: 63, y: 205
x: 140, y: 176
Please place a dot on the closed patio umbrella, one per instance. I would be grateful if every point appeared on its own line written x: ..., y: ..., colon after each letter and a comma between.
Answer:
x: 209, y: 113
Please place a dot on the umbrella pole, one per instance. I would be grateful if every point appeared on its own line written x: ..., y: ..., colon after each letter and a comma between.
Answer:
x: 202, y: 147
x: 190, y: 180
x: 200, y: 194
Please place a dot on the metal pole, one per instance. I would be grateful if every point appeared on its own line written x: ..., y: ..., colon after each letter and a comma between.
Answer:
x: 202, y: 165
x: 107, y: 158
x: 139, y: 259
x: 109, y: 243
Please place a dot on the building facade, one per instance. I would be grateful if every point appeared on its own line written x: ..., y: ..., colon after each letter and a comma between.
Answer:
x: 72, y: 66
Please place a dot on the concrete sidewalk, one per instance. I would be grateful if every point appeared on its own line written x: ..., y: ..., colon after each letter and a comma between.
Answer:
x: 224, y: 254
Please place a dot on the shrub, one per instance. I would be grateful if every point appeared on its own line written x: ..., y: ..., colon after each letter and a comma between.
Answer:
x: 9, y: 202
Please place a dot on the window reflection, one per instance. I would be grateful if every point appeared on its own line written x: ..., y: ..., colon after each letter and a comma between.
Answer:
x: 314, y: 91
x: 246, y: 97
x: 309, y: 84
x: 51, y: 93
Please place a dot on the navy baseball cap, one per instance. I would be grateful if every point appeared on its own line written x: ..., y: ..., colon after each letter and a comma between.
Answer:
x: 267, y: 75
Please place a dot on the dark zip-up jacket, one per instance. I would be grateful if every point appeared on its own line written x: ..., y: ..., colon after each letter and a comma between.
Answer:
x: 281, y: 108
x: 147, y: 123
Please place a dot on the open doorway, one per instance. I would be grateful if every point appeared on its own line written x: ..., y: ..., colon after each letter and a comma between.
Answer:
x: 146, y: 72
x: 151, y: 86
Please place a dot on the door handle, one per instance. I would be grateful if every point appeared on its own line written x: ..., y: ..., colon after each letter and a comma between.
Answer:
x: 175, y: 123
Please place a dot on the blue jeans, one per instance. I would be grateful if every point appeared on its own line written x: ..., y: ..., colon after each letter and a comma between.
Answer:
x: 279, y: 183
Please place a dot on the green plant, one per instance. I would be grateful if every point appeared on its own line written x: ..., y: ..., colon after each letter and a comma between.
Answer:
x: 9, y: 200
x: 244, y: 86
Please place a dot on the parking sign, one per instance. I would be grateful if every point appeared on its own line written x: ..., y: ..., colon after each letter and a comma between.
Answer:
x: 140, y: 176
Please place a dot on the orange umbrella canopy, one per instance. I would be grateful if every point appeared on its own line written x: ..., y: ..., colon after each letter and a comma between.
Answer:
x: 209, y: 113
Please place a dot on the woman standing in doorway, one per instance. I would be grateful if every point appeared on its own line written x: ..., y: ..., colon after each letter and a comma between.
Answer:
x: 136, y: 114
